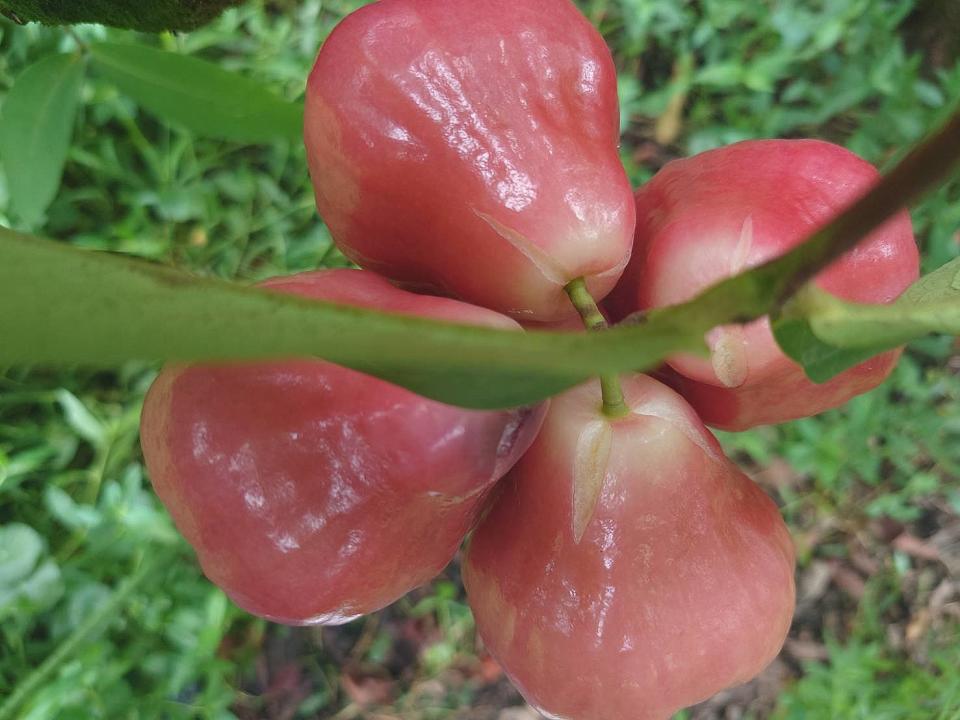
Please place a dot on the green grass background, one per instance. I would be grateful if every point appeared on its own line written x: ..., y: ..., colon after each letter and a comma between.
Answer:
x: 82, y: 538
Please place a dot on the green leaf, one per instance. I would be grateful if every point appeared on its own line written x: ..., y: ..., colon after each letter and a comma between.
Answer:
x: 80, y: 419
x: 43, y: 588
x: 67, y: 306
x: 69, y: 512
x: 199, y: 95
x: 35, y: 132
x: 820, y: 361
x: 827, y: 335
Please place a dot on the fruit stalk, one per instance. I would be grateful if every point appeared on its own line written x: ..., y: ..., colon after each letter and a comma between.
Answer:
x: 613, y: 404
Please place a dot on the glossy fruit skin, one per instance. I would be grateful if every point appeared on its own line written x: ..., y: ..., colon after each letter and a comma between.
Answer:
x: 670, y: 582
x: 470, y: 147
x: 710, y: 216
x: 313, y: 493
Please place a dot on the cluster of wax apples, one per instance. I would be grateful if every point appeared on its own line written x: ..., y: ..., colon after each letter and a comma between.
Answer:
x: 624, y: 567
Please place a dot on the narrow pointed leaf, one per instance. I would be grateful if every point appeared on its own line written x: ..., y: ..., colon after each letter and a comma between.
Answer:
x: 36, y: 127
x: 199, y: 95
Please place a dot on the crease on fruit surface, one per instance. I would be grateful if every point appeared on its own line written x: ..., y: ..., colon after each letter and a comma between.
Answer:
x: 614, y: 271
x: 548, y: 267
x: 741, y: 252
x: 664, y: 411
x: 591, y: 458
x: 327, y: 132
x: 447, y: 501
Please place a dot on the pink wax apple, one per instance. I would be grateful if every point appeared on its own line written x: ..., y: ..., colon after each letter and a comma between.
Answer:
x: 313, y: 493
x: 627, y: 568
x: 470, y: 147
x: 714, y: 215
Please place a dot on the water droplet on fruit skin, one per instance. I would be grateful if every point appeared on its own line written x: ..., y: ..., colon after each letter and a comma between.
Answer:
x: 549, y: 715
x: 334, y: 618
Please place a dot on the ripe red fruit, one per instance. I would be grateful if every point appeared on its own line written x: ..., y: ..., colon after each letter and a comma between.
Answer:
x: 470, y: 146
x: 313, y: 493
x: 711, y: 216
x: 628, y: 568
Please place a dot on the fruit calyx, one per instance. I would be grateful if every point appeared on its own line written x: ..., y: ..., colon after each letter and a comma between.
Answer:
x: 595, y: 442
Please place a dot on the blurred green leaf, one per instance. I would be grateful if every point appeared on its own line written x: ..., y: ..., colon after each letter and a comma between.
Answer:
x: 80, y: 419
x: 27, y: 581
x: 43, y: 588
x: 20, y: 548
x: 35, y: 132
x: 69, y: 512
x: 820, y: 360
x: 199, y: 95
x: 84, y: 601
x: 930, y: 305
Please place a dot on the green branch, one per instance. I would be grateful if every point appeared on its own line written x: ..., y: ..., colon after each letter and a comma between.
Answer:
x: 64, y: 306
x: 593, y: 320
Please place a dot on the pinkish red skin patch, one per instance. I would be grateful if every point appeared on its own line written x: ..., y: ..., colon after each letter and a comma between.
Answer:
x: 313, y: 493
x: 669, y: 581
x: 471, y: 148
x: 705, y: 218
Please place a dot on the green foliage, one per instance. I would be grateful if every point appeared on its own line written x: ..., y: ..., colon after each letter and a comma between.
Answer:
x: 863, y: 681
x: 28, y: 581
x: 147, y: 15
x: 840, y: 69
x: 70, y: 471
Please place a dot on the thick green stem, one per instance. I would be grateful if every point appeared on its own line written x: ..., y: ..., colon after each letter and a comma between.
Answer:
x: 613, y: 404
